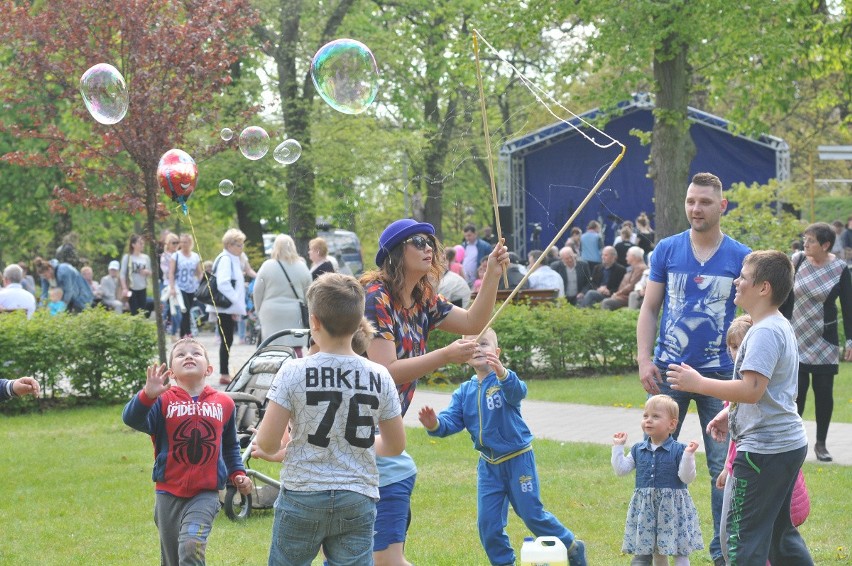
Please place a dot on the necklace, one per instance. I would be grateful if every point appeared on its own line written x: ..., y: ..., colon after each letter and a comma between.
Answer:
x: 702, y: 259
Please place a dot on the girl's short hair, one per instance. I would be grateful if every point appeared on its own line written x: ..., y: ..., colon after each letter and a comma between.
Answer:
x: 663, y: 402
x: 737, y: 331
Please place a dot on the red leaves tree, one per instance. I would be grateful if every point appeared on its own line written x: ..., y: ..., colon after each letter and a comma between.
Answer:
x: 175, y: 57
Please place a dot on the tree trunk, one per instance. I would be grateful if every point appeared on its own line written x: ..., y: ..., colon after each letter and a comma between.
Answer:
x: 251, y: 228
x: 152, y: 191
x: 672, y: 148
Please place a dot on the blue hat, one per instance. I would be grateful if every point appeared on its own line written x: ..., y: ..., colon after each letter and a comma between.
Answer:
x: 398, y: 231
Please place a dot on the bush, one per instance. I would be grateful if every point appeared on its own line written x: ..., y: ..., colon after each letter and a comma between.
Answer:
x: 554, y: 341
x: 96, y: 355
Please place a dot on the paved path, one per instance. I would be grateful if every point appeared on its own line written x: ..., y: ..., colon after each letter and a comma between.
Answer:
x: 567, y: 422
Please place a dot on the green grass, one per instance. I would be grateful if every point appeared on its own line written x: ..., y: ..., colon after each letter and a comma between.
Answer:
x: 80, y: 492
x: 626, y: 391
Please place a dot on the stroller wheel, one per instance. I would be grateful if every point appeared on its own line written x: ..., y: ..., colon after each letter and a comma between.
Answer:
x: 237, y: 506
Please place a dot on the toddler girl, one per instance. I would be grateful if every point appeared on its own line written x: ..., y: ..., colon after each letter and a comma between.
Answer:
x: 662, y: 520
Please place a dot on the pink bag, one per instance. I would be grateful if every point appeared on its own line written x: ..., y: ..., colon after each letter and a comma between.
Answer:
x: 800, y: 502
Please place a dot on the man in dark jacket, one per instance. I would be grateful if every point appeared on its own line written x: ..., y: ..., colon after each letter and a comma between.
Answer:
x: 605, y: 278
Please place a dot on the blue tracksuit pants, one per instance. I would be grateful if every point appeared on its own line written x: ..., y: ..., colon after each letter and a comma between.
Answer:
x: 514, y: 481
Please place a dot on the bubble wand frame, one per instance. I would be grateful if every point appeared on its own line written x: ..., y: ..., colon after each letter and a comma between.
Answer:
x: 555, y: 238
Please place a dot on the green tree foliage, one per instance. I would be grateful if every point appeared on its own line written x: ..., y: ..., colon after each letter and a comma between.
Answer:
x: 758, y: 218
x: 175, y: 56
x: 748, y: 56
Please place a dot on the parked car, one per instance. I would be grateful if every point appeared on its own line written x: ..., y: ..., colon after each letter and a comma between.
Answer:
x: 344, y: 248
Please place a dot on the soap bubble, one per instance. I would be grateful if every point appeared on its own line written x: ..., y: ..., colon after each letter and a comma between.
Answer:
x: 105, y: 93
x: 226, y: 187
x: 287, y: 152
x: 254, y: 142
x: 226, y: 134
x: 344, y: 73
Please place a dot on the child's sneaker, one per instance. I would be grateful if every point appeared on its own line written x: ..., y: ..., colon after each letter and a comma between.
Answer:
x: 577, y: 553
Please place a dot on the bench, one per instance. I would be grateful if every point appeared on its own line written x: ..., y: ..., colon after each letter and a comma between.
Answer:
x: 526, y: 296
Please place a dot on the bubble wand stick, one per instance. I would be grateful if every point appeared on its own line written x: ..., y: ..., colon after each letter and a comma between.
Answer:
x: 488, y: 150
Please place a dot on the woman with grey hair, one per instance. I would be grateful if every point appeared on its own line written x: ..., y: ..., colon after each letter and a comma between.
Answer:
x: 230, y: 279
x: 281, y: 284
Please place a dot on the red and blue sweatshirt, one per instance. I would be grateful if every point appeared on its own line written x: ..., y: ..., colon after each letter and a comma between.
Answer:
x: 195, y: 440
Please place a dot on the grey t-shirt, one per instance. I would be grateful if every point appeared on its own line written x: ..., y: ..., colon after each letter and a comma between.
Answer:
x: 772, y: 425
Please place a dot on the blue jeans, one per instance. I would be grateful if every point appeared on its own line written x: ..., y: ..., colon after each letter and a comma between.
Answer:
x: 708, y: 407
x: 341, y: 522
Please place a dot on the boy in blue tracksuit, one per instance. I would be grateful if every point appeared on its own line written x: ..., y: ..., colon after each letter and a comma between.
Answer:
x: 489, y: 407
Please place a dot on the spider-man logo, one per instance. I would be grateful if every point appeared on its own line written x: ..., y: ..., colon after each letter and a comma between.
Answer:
x: 194, y: 442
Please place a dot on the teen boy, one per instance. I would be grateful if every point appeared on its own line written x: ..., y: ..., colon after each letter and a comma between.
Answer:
x: 763, y: 421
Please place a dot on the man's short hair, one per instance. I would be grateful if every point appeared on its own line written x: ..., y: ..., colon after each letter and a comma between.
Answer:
x: 13, y: 273
x: 469, y: 228
x: 534, y: 255
x: 707, y: 180
x: 775, y: 268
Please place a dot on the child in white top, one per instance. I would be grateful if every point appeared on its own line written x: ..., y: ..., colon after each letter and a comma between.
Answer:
x: 662, y: 520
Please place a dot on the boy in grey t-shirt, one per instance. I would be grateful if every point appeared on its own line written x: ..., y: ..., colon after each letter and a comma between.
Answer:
x: 770, y: 436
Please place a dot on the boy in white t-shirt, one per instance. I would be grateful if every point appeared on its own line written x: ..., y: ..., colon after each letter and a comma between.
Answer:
x: 762, y: 417
x: 332, y: 401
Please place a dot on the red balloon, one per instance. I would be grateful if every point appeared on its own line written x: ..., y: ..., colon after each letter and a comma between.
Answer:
x: 177, y: 174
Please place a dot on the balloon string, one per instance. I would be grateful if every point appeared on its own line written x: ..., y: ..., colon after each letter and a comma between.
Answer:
x: 207, y: 282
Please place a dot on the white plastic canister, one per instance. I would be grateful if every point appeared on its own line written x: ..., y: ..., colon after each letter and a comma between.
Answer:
x: 543, y: 551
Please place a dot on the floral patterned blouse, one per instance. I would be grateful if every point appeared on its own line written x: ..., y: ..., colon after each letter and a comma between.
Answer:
x: 408, y: 329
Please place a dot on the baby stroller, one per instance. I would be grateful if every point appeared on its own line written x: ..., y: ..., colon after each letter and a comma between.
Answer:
x: 248, y: 391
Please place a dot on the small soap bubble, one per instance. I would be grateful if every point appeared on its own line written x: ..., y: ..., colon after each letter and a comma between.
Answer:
x: 226, y: 134
x: 287, y: 152
x: 226, y: 187
x: 254, y: 142
x: 105, y: 93
x: 345, y: 75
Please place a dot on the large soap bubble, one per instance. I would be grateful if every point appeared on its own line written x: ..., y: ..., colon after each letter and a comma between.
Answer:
x: 226, y: 187
x: 105, y: 93
x: 254, y: 142
x: 344, y: 73
x: 287, y: 152
x: 177, y: 175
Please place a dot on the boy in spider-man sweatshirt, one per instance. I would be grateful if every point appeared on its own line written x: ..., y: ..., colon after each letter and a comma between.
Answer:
x: 195, y: 450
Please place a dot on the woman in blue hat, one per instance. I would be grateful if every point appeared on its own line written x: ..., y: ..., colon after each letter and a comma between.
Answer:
x: 404, y: 306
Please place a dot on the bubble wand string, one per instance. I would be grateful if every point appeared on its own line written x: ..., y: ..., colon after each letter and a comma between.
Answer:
x: 206, y: 282
x: 568, y: 223
x: 488, y: 150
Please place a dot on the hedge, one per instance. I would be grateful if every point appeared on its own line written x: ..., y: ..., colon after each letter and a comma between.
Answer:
x: 548, y: 341
x: 97, y: 354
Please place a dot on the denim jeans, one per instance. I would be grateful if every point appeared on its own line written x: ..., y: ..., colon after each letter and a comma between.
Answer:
x: 341, y: 522
x: 708, y: 407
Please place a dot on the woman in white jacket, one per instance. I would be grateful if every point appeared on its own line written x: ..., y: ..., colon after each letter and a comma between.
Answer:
x: 275, y: 298
x: 230, y: 279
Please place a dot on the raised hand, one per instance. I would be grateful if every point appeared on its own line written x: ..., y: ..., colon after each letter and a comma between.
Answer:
x: 619, y: 438
x: 692, y: 446
x: 157, y: 381
x: 427, y: 417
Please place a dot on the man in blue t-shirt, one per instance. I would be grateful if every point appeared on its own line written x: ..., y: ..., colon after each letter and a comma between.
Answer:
x: 692, y: 275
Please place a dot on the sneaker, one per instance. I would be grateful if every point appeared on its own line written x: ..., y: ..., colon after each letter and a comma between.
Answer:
x: 577, y: 553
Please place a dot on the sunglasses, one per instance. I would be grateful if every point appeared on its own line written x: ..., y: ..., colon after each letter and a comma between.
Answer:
x: 420, y: 242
